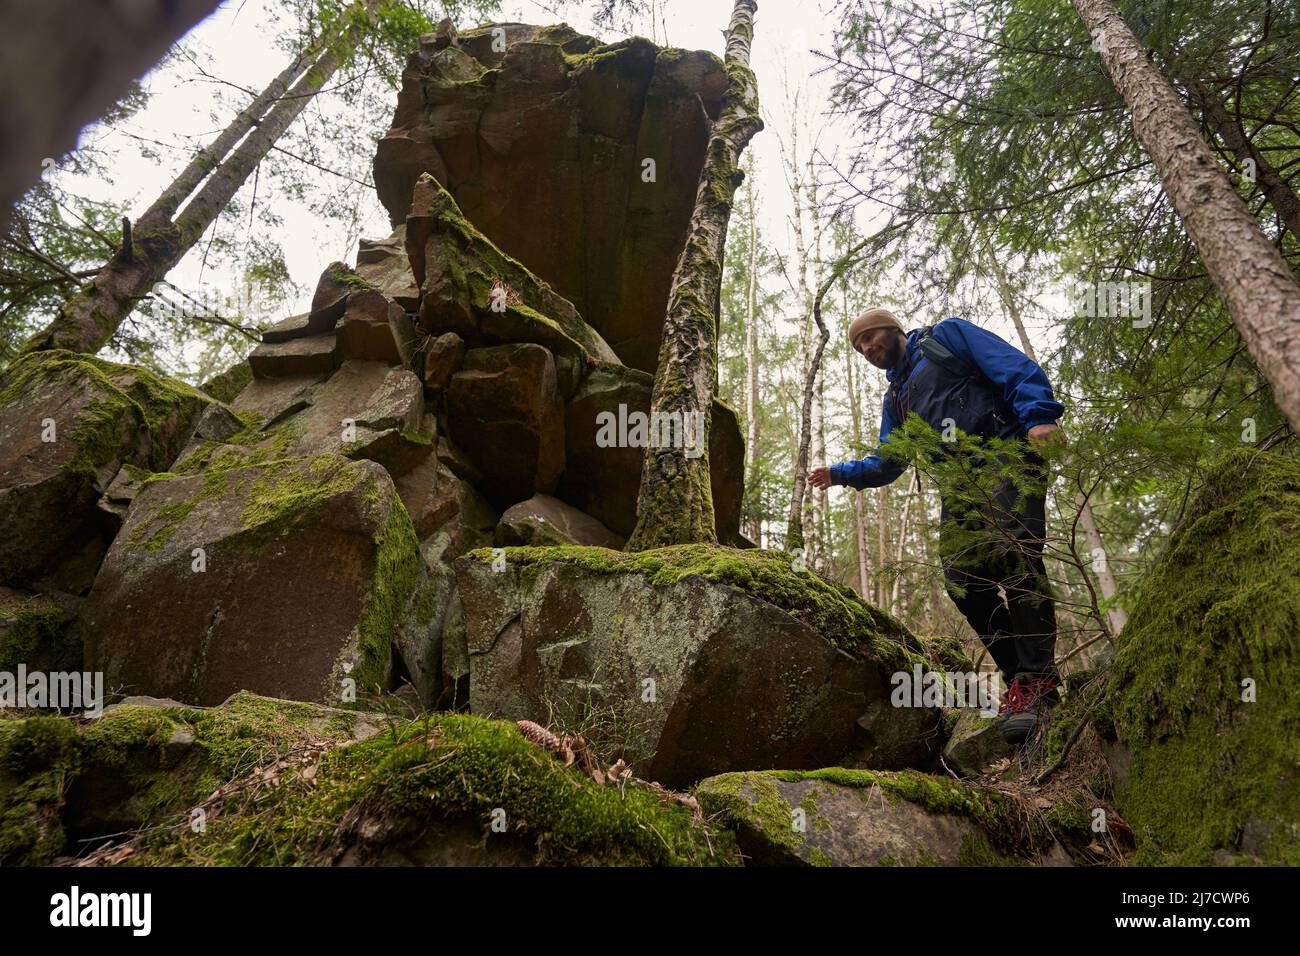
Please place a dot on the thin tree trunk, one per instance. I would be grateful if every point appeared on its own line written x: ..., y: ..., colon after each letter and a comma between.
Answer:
x: 751, y: 361
x: 912, y: 491
x: 794, y: 523
x: 795, y: 180
x: 1276, y: 190
x: 675, y: 502
x: 1101, y: 561
x: 1262, y: 294
x: 859, y: 517
x: 882, y: 518
x: 821, y: 496
x: 161, y: 238
x: 208, y: 158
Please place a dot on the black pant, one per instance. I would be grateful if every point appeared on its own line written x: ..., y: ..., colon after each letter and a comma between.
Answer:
x: 1000, y: 542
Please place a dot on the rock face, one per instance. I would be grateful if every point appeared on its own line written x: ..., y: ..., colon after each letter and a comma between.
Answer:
x: 579, y: 159
x: 469, y: 287
x: 68, y: 423
x: 285, y: 579
x: 603, y: 479
x: 1203, y: 691
x: 697, y: 675
x: 861, y: 818
x: 383, y: 263
x: 504, y: 411
x: 38, y: 632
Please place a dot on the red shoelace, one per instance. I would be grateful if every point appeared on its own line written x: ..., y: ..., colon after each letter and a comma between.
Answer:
x: 1022, y: 694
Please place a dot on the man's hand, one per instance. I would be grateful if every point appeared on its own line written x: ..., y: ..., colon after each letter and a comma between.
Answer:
x: 1045, y: 435
x: 820, y: 477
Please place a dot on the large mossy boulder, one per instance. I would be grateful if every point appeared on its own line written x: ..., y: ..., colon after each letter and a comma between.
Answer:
x: 280, y: 783
x: 68, y: 424
x: 284, y: 578
x: 578, y: 158
x: 1204, y: 691
x: 838, y: 817
x: 690, y: 661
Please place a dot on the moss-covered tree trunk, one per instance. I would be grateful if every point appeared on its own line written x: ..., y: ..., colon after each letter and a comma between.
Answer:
x: 161, y: 238
x: 1257, y: 285
x: 675, y: 505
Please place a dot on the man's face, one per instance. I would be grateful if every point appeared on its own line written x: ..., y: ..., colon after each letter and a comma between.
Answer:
x: 881, y: 347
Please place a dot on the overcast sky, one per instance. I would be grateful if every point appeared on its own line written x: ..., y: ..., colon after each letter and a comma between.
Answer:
x: 239, y: 40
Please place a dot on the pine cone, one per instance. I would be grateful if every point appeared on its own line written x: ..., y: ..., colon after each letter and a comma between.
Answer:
x: 538, y: 735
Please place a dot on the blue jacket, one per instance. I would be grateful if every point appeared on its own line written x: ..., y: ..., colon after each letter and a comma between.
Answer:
x: 1005, y: 395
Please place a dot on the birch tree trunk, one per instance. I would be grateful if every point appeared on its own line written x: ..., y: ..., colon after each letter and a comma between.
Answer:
x: 913, y: 491
x: 751, y: 360
x: 675, y: 502
x: 1262, y: 294
x: 161, y: 237
x: 882, y: 519
x: 859, y: 517
x: 820, y: 496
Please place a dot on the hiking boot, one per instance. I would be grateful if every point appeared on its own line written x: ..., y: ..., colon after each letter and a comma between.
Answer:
x: 1027, y: 698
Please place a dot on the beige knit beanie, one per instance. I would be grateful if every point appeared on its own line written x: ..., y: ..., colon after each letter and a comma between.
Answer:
x: 872, y: 319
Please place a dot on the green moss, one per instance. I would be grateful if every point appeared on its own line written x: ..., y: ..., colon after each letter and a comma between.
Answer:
x: 126, y: 766
x: 834, y: 610
x: 752, y: 801
x: 1211, y: 774
x: 1071, y: 818
x: 933, y: 793
x: 39, y: 634
x: 34, y: 756
x: 397, y: 568
x: 355, y: 282
x: 226, y: 386
x: 976, y: 850
x: 129, y: 398
x: 153, y: 534
x: 290, y: 488
x: 248, y: 446
x: 472, y: 265
x: 414, y: 776
x: 740, y: 801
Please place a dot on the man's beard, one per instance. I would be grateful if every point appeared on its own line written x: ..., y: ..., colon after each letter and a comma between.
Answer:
x: 893, y: 351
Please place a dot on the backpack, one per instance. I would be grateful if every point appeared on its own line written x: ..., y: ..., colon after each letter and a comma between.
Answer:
x: 940, y: 355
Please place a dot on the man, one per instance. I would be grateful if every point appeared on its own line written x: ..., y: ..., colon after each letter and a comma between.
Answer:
x: 958, y: 374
